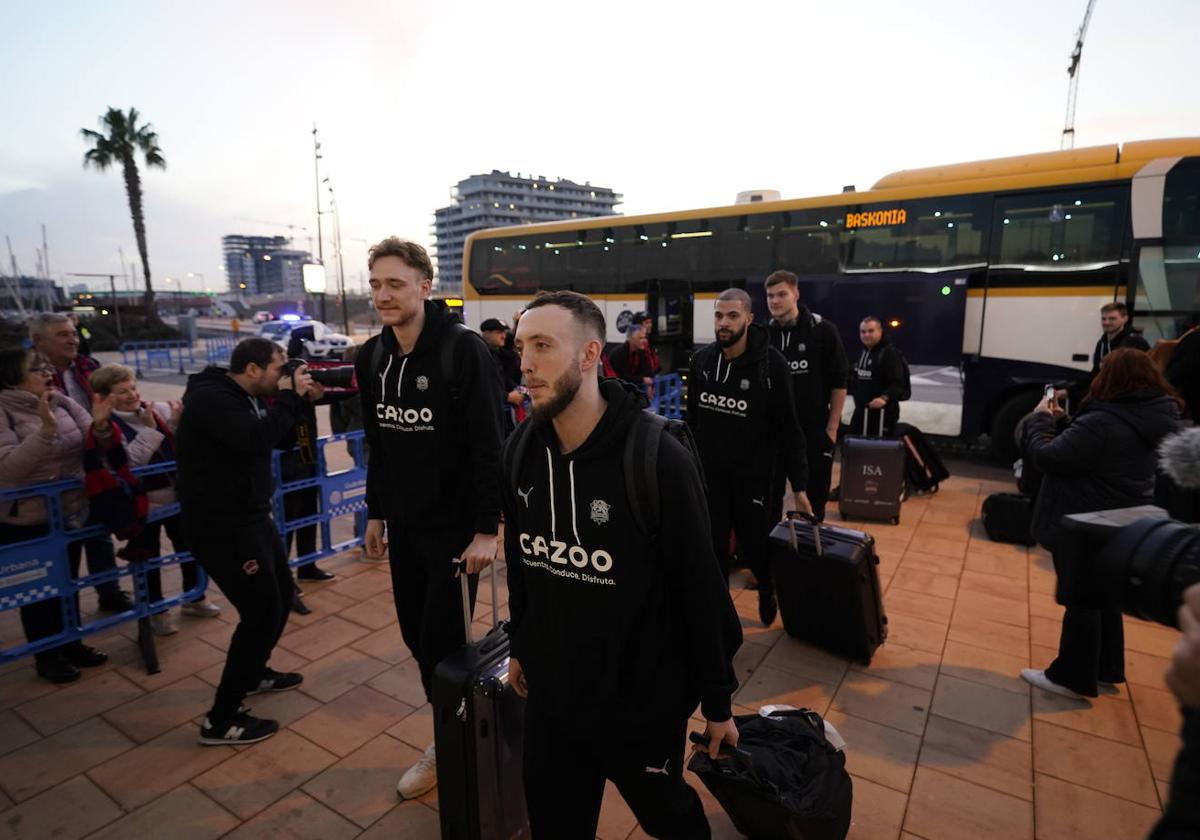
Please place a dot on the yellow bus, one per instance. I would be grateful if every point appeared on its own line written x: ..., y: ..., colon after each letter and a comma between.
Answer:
x: 988, y: 275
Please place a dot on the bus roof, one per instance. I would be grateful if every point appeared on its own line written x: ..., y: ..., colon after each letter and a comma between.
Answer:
x: 1073, y: 166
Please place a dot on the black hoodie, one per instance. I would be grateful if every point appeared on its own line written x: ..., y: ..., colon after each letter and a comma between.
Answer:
x: 224, y: 447
x: 1127, y: 337
x: 605, y: 621
x: 879, y: 372
x: 434, y: 460
x: 1106, y: 458
x: 742, y: 412
x: 817, y: 360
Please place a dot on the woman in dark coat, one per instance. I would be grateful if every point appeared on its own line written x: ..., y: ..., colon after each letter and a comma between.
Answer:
x: 1105, y: 458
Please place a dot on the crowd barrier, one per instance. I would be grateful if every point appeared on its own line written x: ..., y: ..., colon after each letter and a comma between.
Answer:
x: 218, y: 349
x: 157, y: 355
x: 668, y: 396
x: 39, y: 569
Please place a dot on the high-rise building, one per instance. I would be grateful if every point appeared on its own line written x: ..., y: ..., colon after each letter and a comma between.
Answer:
x: 498, y: 199
x: 263, y: 265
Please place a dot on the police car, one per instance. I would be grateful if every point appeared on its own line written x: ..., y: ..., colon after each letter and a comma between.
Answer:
x: 324, y: 344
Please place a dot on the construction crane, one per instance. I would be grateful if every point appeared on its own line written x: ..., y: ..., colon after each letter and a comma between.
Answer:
x: 290, y: 227
x: 1068, y: 133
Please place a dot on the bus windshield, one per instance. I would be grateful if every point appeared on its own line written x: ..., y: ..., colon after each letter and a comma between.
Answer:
x: 1168, y: 292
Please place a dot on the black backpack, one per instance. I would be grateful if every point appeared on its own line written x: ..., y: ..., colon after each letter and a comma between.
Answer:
x: 640, y: 460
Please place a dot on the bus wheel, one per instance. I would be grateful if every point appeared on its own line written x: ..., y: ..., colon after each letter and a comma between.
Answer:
x: 1004, y: 424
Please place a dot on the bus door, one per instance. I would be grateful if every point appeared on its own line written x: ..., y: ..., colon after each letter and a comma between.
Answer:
x: 1165, y: 209
x: 669, y: 303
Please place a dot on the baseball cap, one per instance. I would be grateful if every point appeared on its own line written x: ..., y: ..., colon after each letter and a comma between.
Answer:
x: 493, y: 325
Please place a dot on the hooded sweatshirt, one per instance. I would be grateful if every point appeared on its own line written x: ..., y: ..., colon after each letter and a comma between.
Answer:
x: 742, y: 412
x: 1127, y: 337
x: 224, y: 447
x: 605, y: 620
x: 817, y: 360
x: 434, y: 460
x: 1106, y: 458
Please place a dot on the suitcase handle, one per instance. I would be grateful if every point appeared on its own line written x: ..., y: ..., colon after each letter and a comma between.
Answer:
x: 466, y: 596
x: 866, y: 415
x: 808, y: 517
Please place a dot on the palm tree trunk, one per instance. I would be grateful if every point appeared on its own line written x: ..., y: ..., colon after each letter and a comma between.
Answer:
x: 133, y: 188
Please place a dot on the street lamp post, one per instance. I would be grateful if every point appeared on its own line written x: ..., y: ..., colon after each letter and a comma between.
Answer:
x: 337, y: 234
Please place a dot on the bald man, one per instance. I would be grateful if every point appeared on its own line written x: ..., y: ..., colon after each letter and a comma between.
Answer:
x: 740, y: 409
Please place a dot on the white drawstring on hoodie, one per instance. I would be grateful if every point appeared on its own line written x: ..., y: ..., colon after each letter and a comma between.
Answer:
x: 728, y: 367
x: 553, y: 510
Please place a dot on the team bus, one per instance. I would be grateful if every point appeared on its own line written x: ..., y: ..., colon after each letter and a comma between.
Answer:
x: 989, y: 275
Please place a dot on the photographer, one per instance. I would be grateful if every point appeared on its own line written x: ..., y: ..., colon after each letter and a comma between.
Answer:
x: 1182, y: 817
x: 224, y: 448
x: 1104, y: 459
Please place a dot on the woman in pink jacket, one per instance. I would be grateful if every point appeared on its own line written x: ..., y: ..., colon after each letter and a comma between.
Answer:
x: 41, y: 439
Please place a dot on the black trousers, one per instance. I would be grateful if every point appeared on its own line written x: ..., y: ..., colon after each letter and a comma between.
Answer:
x: 819, y: 452
x: 740, y: 505
x: 248, y: 563
x: 42, y: 618
x: 296, y: 505
x: 566, y: 765
x: 1090, y: 649
x: 428, y: 596
x: 151, y: 540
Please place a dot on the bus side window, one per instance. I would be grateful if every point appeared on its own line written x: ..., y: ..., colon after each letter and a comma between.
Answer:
x: 1073, y: 227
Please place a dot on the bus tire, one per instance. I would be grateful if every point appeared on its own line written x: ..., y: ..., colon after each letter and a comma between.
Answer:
x: 1004, y: 424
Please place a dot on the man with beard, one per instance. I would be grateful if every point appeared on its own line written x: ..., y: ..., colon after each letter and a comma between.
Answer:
x: 609, y: 624
x: 223, y: 449
x: 431, y: 408
x: 817, y: 361
x: 741, y: 411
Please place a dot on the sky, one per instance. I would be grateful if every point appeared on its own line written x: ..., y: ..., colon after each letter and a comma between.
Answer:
x: 673, y: 104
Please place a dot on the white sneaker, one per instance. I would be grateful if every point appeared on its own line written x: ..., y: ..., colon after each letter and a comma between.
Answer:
x: 1033, y: 676
x: 421, y: 778
x: 201, y: 609
x: 163, y: 625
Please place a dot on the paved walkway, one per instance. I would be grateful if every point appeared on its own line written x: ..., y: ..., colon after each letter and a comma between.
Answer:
x: 944, y: 739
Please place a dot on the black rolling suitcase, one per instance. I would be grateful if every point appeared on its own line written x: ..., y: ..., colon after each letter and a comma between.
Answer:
x: 923, y: 467
x: 478, y: 727
x: 872, y: 475
x: 1007, y: 517
x: 827, y: 584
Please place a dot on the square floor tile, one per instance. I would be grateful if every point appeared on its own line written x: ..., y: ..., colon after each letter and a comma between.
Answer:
x: 338, y: 672
x: 919, y: 605
x: 15, y: 732
x: 912, y: 632
x: 78, y: 701
x: 807, y: 660
x: 772, y: 686
x: 977, y: 755
x: 1066, y: 812
x: 73, y: 809
x: 919, y: 580
x: 981, y: 605
x: 999, y: 670
x: 362, y: 786
x: 1110, y: 767
x: 1002, y: 637
x: 939, y: 564
x: 50, y: 761
x: 1108, y: 717
x: 994, y: 709
x: 943, y: 807
x: 1014, y: 589
x: 162, y: 709
x: 879, y: 753
x: 1156, y: 708
x: 885, y: 702
x: 1145, y: 669
x: 263, y: 773
x: 322, y: 638
x: 892, y: 661
x: 345, y: 724
x: 385, y: 644
x: 296, y: 817
x: 150, y: 770
x: 876, y: 813
x: 408, y: 821
x: 183, y: 814
x: 1151, y: 639
x: 1161, y: 748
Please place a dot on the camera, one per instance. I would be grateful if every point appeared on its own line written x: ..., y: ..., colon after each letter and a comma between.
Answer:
x: 326, y: 374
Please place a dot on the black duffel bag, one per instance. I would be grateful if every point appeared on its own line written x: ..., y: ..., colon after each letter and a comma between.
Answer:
x: 786, y: 781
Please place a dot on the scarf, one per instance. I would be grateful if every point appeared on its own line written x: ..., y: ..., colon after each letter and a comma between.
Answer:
x: 115, y: 496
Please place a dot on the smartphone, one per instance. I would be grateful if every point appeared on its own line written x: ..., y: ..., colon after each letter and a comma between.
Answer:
x: 1048, y: 395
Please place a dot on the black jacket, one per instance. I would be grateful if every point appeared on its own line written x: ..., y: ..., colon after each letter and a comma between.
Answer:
x: 817, y: 359
x: 631, y: 367
x: 879, y: 372
x: 1105, y: 458
x: 1183, y: 372
x: 742, y: 412
x: 434, y: 458
x: 1125, y: 338
x: 224, y: 448
x: 508, y: 366
x: 606, y: 623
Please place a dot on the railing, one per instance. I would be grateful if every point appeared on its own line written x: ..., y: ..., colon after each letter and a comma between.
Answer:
x: 39, y: 569
x: 157, y: 355
x: 218, y: 349
x: 668, y: 396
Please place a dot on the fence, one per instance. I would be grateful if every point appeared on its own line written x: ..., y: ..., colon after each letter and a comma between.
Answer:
x: 668, y: 396
x: 218, y: 349
x: 157, y: 355
x: 38, y: 569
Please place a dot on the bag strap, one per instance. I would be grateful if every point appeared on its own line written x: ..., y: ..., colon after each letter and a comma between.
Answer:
x: 514, y: 454
x: 641, y: 471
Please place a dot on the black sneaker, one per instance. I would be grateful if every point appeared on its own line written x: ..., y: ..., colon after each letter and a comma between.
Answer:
x: 116, y: 602
x: 767, y: 607
x: 243, y: 729
x: 84, y: 656
x: 276, y: 681
x: 56, y: 668
x: 298, y: 605
x: 312, y: 572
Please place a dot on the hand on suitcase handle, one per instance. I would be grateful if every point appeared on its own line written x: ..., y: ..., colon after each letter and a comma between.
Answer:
x: 808, y: 517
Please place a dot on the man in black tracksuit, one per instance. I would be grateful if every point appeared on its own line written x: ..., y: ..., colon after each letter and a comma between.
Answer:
x: 816, y: 358
x: 740, y: 408
x: 615, y: 635
x: 224, y: 448
x: 431, y: 408
x: 878, y: 380
x: 1117, y: 332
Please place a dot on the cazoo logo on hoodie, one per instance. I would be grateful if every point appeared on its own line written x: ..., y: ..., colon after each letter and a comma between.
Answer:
x: 723, y: 404
x: 566, y: 560
x: 404, y: 419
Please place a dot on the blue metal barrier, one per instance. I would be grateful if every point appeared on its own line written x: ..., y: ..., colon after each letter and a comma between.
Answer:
x: 668, y: 396
x: 218, y: 349
x: 162, y: 355
x: 39, y: 569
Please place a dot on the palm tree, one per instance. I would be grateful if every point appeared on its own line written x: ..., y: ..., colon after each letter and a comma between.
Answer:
x: 122, y: 138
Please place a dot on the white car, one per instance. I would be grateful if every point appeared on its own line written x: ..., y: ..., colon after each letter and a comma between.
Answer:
x: 325, y: 343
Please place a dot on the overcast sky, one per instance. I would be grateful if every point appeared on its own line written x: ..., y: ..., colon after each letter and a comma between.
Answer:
x: 674, y: 105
